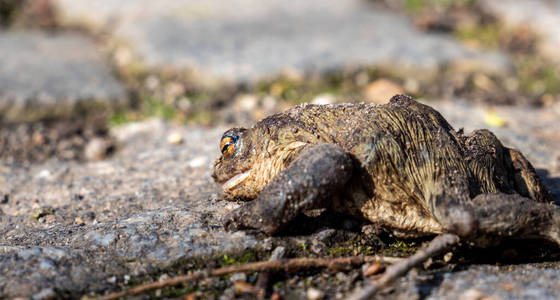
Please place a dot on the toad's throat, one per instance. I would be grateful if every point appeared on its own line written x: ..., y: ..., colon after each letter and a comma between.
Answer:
x: 235, y: 180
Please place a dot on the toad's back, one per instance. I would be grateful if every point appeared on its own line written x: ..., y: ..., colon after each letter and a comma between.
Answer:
x: 407, y: 153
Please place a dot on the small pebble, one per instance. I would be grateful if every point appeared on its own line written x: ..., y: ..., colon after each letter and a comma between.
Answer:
x: 275, y: 296
x: 45, y: 294
x: 163, y: 277
x: 373, y: 269
x: 238, y: 277
x: 314, y: 294
x: 151, y: 83
x: 191, y: 296
x: 44, y: 174
x: 448, y: 256
x: 50, y: 219
x: 428, y: 263
x: 324, y: 99
x: 97, y: 149
x: 175, y: 138
x: 196, y: 162
x: 473, y: 294
x: 243, y: 287
x: 381, y: 90
x: 79, y: 221
x: 246, y: 102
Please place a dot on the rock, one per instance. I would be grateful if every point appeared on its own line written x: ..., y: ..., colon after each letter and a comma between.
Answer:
x: 175, y: 138
x: 254, y: 42
x: 473, y: 294
x: 53, y: 75
x: 381, y: 90
x: 324, y: 99
x: 46, y: 294
x: 98, y: 148
x: 238, y: 277
x: 314, y: 294
x: 539, y: 15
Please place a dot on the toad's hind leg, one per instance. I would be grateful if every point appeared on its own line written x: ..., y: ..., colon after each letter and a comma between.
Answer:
x: 525, y: 179
x: 489, y: 218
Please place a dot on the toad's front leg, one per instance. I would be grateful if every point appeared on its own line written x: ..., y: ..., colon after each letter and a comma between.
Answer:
x: 309, y: 182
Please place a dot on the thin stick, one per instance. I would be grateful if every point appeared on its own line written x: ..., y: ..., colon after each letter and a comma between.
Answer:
x: 288, y: 265
x: 264, y: 277
x: 437, y: 245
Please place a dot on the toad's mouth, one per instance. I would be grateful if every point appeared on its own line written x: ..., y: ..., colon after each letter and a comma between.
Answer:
x: 235, y: 180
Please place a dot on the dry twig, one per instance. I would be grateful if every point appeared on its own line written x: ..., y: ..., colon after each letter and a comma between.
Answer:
x: 264, y: 277
x: 437, y: 245
x: 288, y: 265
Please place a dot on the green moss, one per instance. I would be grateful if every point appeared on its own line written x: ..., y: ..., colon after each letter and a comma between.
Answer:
x: 487, y: 35
x: 149, y: 107
x: 119, y: 118
x: 242, y: 258
x: 341, y: 251
x: 537, y: 76
x: 418, y: 6
x: 401, y: 248
x: 357, y: 245
x: 414, y: 6
x: 157, y: 108
x: 296, y: 92
x: 201, y: 117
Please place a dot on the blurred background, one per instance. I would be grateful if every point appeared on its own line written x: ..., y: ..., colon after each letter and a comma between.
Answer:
x: 71, y: 69
x: 111, y: 113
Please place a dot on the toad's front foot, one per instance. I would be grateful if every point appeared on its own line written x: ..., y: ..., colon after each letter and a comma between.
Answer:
x: 233, y: 220
x: 248, y: 216
x: 320, y: 172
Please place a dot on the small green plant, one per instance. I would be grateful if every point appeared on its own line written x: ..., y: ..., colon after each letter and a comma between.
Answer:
x: 305, y: 248
x: 228, y: 261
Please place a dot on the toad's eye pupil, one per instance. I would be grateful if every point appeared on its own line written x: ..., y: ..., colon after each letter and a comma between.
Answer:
x: 227, y: 145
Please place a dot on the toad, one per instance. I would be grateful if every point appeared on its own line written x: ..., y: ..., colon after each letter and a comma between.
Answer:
x: 400, y: 166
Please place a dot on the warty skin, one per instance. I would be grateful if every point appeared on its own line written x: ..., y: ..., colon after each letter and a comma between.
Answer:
x: 399, y: 165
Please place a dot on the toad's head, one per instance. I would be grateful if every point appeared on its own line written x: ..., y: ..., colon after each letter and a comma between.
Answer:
x: 252, y: 157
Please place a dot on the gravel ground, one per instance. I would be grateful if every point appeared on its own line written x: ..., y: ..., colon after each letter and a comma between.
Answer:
x: 82, y: 227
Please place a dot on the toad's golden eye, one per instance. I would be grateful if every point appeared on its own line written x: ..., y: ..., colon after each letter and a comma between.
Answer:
x: 227, y: 145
